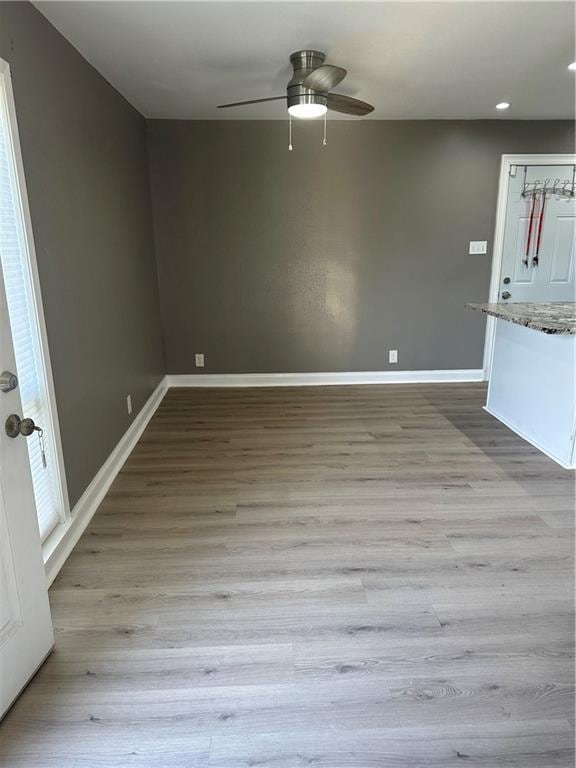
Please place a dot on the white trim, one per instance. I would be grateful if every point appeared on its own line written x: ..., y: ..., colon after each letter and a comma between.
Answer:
x: 530, y: 440
x: 506, y: 163
x: 321, y: 379
x: 91, y: 499
x: 53, y: 434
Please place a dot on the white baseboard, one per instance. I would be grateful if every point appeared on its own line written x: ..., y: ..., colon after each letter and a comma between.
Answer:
x: 63, y: 540
x: 545, y: 451
x: 321, y: 379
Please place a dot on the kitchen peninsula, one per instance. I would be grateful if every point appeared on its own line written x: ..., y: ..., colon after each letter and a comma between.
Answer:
x: 532, y: 388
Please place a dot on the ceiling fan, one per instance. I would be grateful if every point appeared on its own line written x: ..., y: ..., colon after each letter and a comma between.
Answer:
x: 308, y: 94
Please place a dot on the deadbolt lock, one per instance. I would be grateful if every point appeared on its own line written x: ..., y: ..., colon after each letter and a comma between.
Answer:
x: 506, y: 281
x: 8, y: 381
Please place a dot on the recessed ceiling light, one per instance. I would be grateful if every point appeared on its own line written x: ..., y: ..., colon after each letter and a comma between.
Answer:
x: 572, y: 66
x: 503, y: 105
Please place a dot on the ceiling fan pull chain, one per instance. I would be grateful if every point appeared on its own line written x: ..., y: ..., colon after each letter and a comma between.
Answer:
x: 324, y: 139
x: 289, y: 131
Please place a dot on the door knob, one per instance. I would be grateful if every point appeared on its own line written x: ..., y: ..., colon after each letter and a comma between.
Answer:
x: 16, y: 426
x: 8, y: 381
x: 506, y: 294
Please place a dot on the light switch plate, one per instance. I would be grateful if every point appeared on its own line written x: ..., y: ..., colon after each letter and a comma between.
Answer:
x: 478, y: 246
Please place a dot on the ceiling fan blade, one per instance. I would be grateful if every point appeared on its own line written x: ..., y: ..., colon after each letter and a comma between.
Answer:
x: 349, y: 106
x: 253, y: 101
x: 324, y: 78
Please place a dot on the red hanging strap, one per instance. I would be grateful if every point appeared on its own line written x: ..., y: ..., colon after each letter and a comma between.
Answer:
x: 530, y: 224
x: 540, y: 224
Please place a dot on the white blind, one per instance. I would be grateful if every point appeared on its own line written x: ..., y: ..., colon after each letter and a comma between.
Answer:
x: 19, y: 295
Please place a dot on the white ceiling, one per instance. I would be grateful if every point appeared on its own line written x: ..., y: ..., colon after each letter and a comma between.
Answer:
x: 410, y: 59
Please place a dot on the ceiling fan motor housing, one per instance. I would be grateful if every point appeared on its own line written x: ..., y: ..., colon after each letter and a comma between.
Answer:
x: 304, y: 62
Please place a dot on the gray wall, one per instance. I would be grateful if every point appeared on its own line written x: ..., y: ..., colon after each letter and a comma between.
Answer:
x: 84, y: 150
x: 322, y: 259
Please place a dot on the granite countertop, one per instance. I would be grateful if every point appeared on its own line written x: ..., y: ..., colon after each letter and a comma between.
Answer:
x: 549, y: 317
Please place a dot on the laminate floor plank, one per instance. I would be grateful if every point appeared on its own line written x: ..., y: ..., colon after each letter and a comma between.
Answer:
x: 343, y: 577
x: 533, y: 745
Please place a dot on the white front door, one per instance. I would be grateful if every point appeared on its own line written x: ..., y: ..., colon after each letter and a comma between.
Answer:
x: 26, y: 636
x: 539, y: 254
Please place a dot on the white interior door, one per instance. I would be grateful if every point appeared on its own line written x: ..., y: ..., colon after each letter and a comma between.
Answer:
x: 539, y: 253
x: 26, y: 636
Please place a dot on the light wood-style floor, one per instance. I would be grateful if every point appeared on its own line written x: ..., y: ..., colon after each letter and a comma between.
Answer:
x: 339, y: 577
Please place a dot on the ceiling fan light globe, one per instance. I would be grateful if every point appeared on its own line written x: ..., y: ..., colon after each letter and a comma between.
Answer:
x: 307, y: 111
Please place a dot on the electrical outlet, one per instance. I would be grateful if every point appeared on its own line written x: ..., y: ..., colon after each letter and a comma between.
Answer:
x: 199, y: 358
x: 392, y: 355
x: 478, y: 246
x: 129, y: 404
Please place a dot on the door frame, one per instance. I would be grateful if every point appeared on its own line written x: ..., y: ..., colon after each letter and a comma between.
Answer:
x: 53, y: 434
x: 506, y: 163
